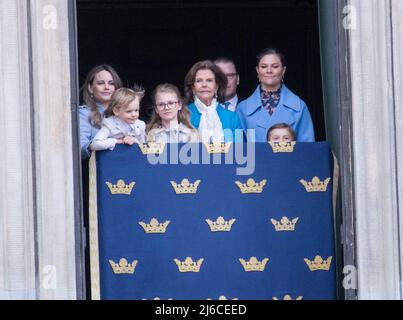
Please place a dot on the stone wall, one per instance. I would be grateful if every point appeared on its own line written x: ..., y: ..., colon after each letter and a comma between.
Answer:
x: 37, y: 193
x: 374, y: 76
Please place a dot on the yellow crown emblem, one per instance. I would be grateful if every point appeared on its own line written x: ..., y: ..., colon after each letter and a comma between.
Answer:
x: 218, y: 147
x: 284, y: 224
x: 123, y: 267
x: 220, y: 224
x: 189, y: 265
x: 251, y: 186
x: 253, y: 264
x: 282, y: 146
x: 185, y: 187
x: 315, y: 185
x: 152, y: 148
x: 288, y: 297
x: 318, y: 263
x: 120, y: 187
x: 154, y: 226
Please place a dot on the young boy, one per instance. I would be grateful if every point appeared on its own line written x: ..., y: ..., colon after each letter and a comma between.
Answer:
x: 280, y: 132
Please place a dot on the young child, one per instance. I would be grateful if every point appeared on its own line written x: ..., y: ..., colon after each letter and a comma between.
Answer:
x: 280, y: 132
x: 121, y: 124
x: 170, y: 118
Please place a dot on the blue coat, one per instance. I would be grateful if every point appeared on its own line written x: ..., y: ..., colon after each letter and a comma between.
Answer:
x: 290, y: 109
x: 229, y: 120
x: 87, y: 130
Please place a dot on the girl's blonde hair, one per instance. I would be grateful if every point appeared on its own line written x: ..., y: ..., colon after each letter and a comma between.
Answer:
x: 183, y: 113
x: 122, y: 97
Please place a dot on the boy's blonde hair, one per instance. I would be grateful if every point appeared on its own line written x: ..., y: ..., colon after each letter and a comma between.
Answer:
x: 122, y: 97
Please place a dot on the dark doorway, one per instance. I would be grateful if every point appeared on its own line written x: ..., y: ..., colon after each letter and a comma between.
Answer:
x: 155, y: 41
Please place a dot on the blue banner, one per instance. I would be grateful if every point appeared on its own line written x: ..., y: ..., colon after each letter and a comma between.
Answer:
x: 199, y: 231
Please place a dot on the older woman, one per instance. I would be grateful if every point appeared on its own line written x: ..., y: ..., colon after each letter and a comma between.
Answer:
x: 205, y: 86
x: 100, y: 84
x: 272, y: 102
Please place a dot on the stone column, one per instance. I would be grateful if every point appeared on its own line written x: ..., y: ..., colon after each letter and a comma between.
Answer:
x: 37, y: 241
x: 397, y: 47
x: 17, y: 258
x: 373, y: 55
x: 53, y: 148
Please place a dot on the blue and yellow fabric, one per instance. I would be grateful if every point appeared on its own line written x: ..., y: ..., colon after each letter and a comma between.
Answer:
x: 199, y: 231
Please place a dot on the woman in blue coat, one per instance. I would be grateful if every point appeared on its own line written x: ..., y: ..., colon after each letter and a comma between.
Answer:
x: 272, y: 102
x: 205, y: 86
x: 100, y: 84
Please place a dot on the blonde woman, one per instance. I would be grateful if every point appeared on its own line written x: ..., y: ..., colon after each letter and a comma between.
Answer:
x: 100, y: 84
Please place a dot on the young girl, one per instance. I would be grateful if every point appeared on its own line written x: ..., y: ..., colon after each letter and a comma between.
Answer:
x: 121, y: 124
x: 170, y: 119
x: 280, y: 132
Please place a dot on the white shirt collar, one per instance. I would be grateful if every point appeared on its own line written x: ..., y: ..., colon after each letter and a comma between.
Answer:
x: 233, y: 103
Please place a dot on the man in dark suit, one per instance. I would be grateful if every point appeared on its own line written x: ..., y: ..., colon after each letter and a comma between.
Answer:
x: 228, y: 67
